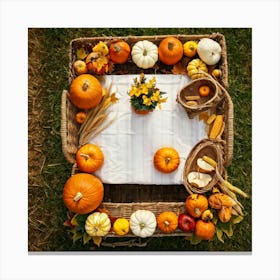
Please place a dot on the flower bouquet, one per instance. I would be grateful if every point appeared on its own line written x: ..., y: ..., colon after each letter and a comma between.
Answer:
x: 145, y: 96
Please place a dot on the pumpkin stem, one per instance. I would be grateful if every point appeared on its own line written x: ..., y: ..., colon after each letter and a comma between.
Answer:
x: 166, y: 223
x: 85, y: 156
x: 85, y: 86
x: 170, y: 46
x: 78, y: 196
x: 167, y: 160
x: 142, y: 225
x: 145, y: 52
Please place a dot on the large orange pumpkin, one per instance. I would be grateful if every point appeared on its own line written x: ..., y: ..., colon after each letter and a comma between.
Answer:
x: 166, y: 159
x: 119, y: 52
x: 89, y: 158
x: 85, y: 91
x: 204, y: 230
x: 196, y: 204
x: 167, y: 221
x: 170, y: 50
x: 83, y: 193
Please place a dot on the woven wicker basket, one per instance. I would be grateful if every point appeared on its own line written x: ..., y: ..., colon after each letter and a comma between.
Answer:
x: 209, y: 148
x: 165, y: 198
x: 203, y: 103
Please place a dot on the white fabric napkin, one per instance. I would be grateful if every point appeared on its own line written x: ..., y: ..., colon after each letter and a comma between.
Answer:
x: 129, y: 143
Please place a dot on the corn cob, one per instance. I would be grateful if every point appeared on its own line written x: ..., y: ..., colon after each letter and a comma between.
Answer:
x: 236, y: 189
x: 211, y: 119
x: 209, y: 160
x: 217, y: 126
x: 192, y: 97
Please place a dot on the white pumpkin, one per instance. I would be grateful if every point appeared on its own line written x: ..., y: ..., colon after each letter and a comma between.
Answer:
x: 209, y: 51
x: 144, y: 54
x: 143, y: 223
x: 97, y: 224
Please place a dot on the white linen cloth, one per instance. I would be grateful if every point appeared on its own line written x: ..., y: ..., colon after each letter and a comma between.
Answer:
x: 130, y: 142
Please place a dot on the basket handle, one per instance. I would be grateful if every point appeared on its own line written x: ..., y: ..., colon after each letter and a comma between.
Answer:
x: 63, y: 127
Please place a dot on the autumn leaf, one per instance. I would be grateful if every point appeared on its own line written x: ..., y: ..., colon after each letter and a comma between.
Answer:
x: 101, y: 48
x: 203, y: 116
x: 97, y: 240
x: 86, y: 238
x: 81, y: 53
x: 236, y: 220
x: 219, y: 234
x: 194, y: 239
x: 178, y: 69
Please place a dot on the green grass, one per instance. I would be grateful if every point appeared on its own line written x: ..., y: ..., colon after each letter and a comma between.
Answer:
x: 48, y: 169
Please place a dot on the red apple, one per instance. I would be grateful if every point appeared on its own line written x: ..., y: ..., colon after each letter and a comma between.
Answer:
x: 186, y: 223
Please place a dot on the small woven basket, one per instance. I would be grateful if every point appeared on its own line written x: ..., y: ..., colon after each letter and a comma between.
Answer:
x: 209, y: 148
x: 204, y: 102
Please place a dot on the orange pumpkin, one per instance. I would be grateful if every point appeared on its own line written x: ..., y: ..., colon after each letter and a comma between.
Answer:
x: 170, y: 50
x: 166, y: 159
x: 83, y: 193
x: 89, y: 158
x: 81, y: 117
x: 85, y: 91
x: 119, y: 52
x: 167, y: 221
x: 204, y: 230
x: 97, y: 64
x: 196, y: 204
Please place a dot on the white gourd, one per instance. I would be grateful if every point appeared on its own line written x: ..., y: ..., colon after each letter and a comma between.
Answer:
x: 144, y: 54
x: 97, y: 224
x: 209, y: 51
x: 143, y: 223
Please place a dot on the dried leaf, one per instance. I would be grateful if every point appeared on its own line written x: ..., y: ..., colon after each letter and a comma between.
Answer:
x: 97, y: 240
x: 86, y: 238
x: 228, y: 231
x: 101, y: 48
x: 237, y: 220
x: 77, y: 235
x: 194, y: 239
x: 178, y: 69
x: 219, y: 234
x: 74, y: 221
x: 81, y: 53
x: 203, y: 116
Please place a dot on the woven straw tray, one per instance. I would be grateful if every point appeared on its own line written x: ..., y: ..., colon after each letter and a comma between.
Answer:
x: 123, y: 200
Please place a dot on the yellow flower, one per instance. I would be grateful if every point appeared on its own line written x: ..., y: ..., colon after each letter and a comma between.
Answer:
x: 144, y: 89
x: 133, y: 91
x: 162, y: 100
x: 156, y: 96
x: 146, y: 100
x: 151, y: 83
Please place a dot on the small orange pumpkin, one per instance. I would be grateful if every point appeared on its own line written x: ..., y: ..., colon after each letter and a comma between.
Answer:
x: 167, y: 221
x: 83, y: 193
x: 97, y: 64
x: 81, y: 117
x: 170, y: 50
x: 166, y: 159
x: 205, y: 230
x: 89, y: 158
x: 85, y: 91
x: 119, y: 52
x: 196, y: 204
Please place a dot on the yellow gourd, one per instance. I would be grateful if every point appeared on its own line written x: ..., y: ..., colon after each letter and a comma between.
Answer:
x: 121, y: 226
x: 195, y: 68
